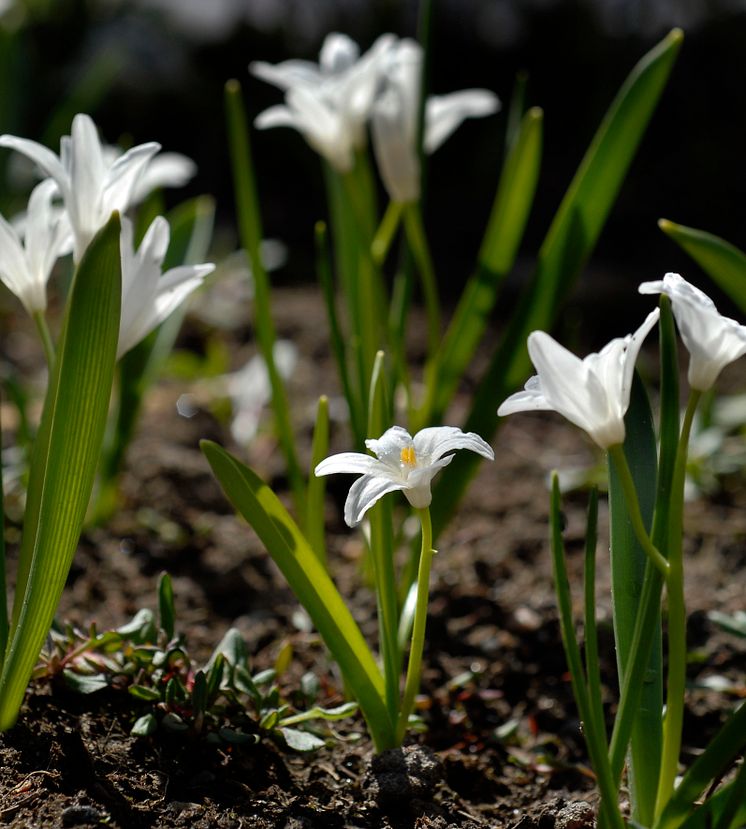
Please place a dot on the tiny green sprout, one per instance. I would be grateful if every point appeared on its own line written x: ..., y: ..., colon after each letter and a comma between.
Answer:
x: 222, y: 701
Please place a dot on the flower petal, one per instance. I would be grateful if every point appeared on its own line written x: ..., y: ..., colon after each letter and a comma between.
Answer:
x: 346, y: 462
x: 364, y: 493
x: 389, y: 446
x: 436, y: 441
x: 445, y: 113
x: 530, y: 399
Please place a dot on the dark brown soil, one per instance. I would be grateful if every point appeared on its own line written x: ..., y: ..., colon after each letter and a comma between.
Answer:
x: 503, y: 745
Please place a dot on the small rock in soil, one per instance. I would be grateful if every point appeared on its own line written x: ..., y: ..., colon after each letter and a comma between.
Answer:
x: 400, y: 775
x: 83, y: 816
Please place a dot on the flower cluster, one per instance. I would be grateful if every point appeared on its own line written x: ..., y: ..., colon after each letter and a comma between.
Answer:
x: 331, y: 103
x: 92, y: 181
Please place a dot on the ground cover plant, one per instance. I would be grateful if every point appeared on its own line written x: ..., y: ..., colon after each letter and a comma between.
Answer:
x: 352, y: 679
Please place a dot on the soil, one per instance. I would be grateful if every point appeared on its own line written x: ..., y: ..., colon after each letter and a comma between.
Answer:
x: 502, y: 745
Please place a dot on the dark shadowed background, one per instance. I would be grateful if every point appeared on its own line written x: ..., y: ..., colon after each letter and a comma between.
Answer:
x: 162, y: 65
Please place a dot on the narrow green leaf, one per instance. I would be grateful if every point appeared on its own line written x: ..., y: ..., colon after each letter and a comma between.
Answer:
x: 250, y: 230
x: 199, y: 693
x: 719, y: 755
x: 340, y: 712
x: 628, y: 567
x: 310, y: 582
x: 382, y: 549
x: 507, y: 222
x: 717, y: 811
x: 568, y: 244
x: 166, y: 605
x: 65, y: 457
x: 4, y: 624
x: 723, y: 262
x: 144, y: 693
x: 317, y: 484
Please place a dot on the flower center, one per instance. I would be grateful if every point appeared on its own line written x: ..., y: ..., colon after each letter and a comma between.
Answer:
x: 408, y: 457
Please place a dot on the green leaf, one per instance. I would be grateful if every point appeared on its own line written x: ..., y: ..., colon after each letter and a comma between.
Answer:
x: 568, y: 244
x: 317, y: 483
x: 340, y: 712
x: 85, y: 684
x: 199, y: 692
x: 719, y: 755
x: 65, y: 457
x: 141, y: 628
x: 723, y: 262
x: 510, y: 211
x: 166, y: 605
x: 144, y: 693
x: 144, y: 726
x: 628, y: 568
x: 310, y: 582
x: 301, y: 740
x: 250, y: 230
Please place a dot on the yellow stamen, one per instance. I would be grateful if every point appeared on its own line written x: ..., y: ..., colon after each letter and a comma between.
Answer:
x: 408, y: 457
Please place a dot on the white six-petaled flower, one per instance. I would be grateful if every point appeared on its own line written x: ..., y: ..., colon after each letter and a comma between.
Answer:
x: 592, y: 393
x: 25, y: 265
x: 328, y: 103
x: 91, y: 188
x: 148, y: 296
x: 713, y: 341
x: 394, y: 118
x: 401, y: 463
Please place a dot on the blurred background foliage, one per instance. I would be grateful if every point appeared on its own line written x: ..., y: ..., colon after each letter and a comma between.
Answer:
x: 156, y: 69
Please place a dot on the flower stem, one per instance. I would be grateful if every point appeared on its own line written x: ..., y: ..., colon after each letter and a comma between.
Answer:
x: 386, y: 230
x: 633, y: 508
x: 414, y: 668
x: 421, y: 252
x: 676, y: 617
x: 46, y: 338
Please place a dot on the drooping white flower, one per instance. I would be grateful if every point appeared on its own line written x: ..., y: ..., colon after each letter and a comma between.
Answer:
x: 592, y: 393
x: 26, y: 264
x: 329, y: 103
x: 401, y: 463
x: 148, y: 295
x: 395, y: 113
x: 91, y: 188
x: 713, y: 341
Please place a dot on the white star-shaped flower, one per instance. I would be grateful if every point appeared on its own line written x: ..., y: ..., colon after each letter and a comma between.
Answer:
x: 148, y: 296
x: 713, y: 341
x: 401, y: 463
x: 329, y: 103
x: 26, y: 263
x: 394, y: 119
x: 592, y: 393
x: 91, y: 188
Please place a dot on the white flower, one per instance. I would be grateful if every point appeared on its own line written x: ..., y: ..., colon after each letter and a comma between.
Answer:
x: 147, y: 296
x: 394, y: 119
x: 713, y: 341
x: 163, y: 170
x: 592, y: 393
x: 91, y: 188
x: 402, y: 463
x: 328, y: 103
x: 25, y: 265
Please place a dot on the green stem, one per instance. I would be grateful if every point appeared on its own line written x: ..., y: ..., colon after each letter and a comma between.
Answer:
x: 676, y: 617
x: 250, y: 231
x: 414, y: 667
x: 379, y: 249
x: 421, y: 253
x: 594, y: 738
x: 46, y: 338
x: 633, y: 507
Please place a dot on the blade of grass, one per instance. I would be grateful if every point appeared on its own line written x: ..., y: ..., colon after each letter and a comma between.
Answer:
x: 317, y: 484
x: 568, y: 244
x: 310, y: 582
x: 65, y: 457
x: 250, y: 229
x: 382, y: 550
